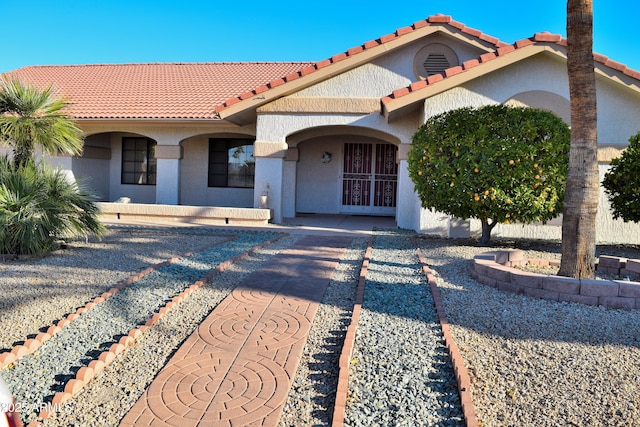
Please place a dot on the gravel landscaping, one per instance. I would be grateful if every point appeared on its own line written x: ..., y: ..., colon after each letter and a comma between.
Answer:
x: 107, y: 398
x: 400, y: 370
x: 531, y: 362
x: 537, y: 362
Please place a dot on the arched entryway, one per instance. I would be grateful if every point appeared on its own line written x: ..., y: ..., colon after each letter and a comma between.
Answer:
x: 346, y: 174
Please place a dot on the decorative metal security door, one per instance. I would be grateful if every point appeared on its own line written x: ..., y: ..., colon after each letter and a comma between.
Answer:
x: 370, y: 178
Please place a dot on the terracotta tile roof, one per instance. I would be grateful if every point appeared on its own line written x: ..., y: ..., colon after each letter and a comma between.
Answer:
x: 153, y: 91
x: 310, y: 68
x: 502, y: 51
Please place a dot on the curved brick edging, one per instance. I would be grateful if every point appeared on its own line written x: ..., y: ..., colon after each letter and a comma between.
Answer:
x: 496, y: 270
x: 32, y: 344
x: 96, y: 366
x: 340, y: 404
x: 462, y: 376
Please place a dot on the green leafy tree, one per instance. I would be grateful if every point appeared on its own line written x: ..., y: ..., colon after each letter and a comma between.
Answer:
x: 495, y: 163
x: 39, y: 205
x: 622, y: 182
x: 31, y: 118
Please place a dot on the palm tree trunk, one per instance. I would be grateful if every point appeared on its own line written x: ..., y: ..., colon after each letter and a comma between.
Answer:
x: 582, y: 192
x: 22, y: 154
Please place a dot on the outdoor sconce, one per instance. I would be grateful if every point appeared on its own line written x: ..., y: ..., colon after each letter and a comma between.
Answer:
x: 326, y: 157
x: 264, y: 198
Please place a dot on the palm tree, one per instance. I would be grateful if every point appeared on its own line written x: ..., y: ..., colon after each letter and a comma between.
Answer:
x: 582, y: 191
x: 31, y: 118
x: 39, y: 205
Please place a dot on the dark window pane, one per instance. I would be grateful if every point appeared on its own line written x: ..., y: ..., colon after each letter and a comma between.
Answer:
x: 231, y: 163
x: 138, y: 161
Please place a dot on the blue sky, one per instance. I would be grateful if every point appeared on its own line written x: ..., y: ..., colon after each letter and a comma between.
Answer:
x: 44, y: 32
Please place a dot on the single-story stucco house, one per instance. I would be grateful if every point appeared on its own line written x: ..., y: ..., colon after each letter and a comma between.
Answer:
x: 320, y: 137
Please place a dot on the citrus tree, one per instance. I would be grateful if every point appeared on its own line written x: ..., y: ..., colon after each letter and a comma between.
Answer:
x: 495, y: 163
x: 622, y: 182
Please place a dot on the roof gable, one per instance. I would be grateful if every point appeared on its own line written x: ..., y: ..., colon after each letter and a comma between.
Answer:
x: 239, y: 107
x: 408, y: 98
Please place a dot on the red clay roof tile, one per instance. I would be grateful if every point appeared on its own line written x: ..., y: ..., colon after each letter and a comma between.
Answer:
x: 154, y: 91
x: 470, y: 63
x: 505, y: 49
x: 439, y: 18
x: 547, y: 37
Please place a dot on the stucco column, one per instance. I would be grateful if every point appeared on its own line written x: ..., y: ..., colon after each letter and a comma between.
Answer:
x: 269, y: 178
x: 168, y: 177
x: 289, y: 183
x: 408, y: 209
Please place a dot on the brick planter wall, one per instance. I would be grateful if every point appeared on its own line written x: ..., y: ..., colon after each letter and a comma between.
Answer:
x: 496, y: 269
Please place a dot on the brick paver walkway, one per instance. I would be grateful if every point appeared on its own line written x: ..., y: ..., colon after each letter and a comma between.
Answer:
x: 237, y: 368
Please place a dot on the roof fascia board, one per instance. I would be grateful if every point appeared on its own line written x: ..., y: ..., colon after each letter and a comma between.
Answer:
x: 156, y: 122
x: 615, y: 76
x: 397, y: 107
x: 340, y: 67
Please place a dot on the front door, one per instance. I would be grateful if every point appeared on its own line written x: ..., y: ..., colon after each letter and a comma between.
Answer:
x: 369, y: 178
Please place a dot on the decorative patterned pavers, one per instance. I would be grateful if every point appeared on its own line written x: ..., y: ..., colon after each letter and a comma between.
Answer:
x: 237, y: 368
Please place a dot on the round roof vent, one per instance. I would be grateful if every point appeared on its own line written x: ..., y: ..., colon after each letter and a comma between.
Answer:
x: 434, y: 59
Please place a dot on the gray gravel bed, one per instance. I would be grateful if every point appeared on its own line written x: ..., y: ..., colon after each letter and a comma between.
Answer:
x: 37, y: 292
x: 312, y: 396
x: 400, y: 372
x: 37, y: 377
x: 538, y: 362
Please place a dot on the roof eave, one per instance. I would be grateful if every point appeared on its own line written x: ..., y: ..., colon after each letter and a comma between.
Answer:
x: 617, y: 77
x: 172, y: 121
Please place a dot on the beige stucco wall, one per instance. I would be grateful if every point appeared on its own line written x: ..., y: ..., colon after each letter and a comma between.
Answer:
x: 385, y: 74
x: 194, y: 175
x: 318, y: 186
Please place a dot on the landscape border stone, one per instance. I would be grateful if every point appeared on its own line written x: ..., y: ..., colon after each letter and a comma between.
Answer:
x: 498, y: 269
x: 340, y: 404
x: 463, y: 380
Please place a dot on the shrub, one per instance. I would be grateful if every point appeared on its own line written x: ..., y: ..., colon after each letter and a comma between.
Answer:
x: 38, y: 206
x: 494, y: 163
x: 622, y: 182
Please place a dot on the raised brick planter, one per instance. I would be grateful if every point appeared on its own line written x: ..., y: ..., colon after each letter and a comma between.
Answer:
x: 496, y: 269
